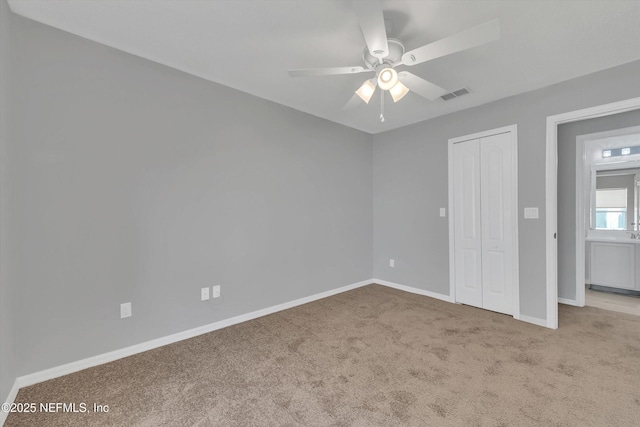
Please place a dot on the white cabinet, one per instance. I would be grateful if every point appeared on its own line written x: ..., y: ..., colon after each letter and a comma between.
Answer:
x: 613, y: 264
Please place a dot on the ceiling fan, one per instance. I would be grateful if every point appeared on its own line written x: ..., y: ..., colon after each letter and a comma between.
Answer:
x: 382, y: 55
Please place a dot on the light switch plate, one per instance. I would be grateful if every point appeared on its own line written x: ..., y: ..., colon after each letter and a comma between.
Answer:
x: 125, y: 310
x: 216, y: 291
x: 531, y: 213
x: 443, y: 212
x: 204, y: 294
x: 392, y: 263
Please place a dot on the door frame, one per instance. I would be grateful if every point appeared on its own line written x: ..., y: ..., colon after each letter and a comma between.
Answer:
x: 513, y: 129
x: 551, y: 191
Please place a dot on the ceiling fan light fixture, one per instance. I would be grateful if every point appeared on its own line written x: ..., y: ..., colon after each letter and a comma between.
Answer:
x: 398, y: 91
x: 365, y: 92
x: 387, y: 78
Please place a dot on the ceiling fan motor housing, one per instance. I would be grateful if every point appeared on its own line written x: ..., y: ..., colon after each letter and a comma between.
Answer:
x: 396, y: 50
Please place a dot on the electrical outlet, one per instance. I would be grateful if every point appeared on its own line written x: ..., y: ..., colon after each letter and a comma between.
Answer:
x: 204, y: 294
x: 125, y: 310
x: 216, y: 291
x: 392, y: 263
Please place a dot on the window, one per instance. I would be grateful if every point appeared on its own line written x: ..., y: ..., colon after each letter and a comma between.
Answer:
x: 611, y: 209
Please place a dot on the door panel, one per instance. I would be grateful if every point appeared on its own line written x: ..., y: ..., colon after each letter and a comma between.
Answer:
x: 471, y: 268
x: 493, y: 165
x: 470, y: 195
x: 495, y: 267
x: 467, y: 223
x: 497, y: 219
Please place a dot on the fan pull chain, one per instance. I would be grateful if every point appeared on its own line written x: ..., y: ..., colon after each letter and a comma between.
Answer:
x: 382, y: 106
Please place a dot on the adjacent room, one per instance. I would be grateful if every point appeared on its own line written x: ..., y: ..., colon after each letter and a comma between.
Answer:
x: 300, y: 212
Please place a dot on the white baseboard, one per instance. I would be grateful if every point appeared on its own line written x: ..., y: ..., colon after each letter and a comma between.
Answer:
x: 58, y: 371
x: 568, y: 301
x: 534, y: 320
x: 412, y: 290
x: 447, y: 298
x: 10, y: 398
x: 100, y: 359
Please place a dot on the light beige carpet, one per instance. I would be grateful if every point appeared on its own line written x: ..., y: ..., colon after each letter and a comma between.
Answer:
x: 371, y: 356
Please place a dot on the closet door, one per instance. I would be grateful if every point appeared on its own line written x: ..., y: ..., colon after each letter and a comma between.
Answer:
x: 483, y: 233
x: 497, y: 218
x: 467, y: 222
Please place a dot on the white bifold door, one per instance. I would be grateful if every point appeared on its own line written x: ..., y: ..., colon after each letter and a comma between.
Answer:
x: 484, y: 215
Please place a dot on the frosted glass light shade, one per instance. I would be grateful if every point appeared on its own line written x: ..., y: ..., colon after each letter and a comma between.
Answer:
x: 365, y: 92
x: 398, y: 91
x: 387, y: 78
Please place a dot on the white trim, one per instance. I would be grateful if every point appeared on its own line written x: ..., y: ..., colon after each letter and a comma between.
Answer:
x: 90, y: 362
x: 516, y: 225
x: 551, y: 191
x: 513, y: 129
x: 10, y: 399
x: 580, y: 225
x: 573, y: 302
x: 534, y: 320
x: 551, y: 223
x: 452, y: 269
x: 413, y: 290
x: 58, y: 371
x: 483, y: 134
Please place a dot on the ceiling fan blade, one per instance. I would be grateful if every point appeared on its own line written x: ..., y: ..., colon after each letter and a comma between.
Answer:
x: 369, y: 13
x: 315, y: 72
x: 476, y: 36
x: 353, y: 102
x: 421, y: 86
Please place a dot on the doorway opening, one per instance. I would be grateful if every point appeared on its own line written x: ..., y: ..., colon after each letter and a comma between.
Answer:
x: 551, y: 192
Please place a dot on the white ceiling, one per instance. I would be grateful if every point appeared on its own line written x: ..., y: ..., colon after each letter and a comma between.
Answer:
x: 250, y: 44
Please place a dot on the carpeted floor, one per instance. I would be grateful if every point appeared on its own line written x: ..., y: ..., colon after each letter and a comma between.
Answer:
x: 371, y: 356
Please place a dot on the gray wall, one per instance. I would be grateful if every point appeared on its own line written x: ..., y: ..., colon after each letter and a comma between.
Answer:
x: 7, y: 360
x: 567, y: 134
x: 141, y: 183
x: 410, y: 181
x: 130, y: 181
